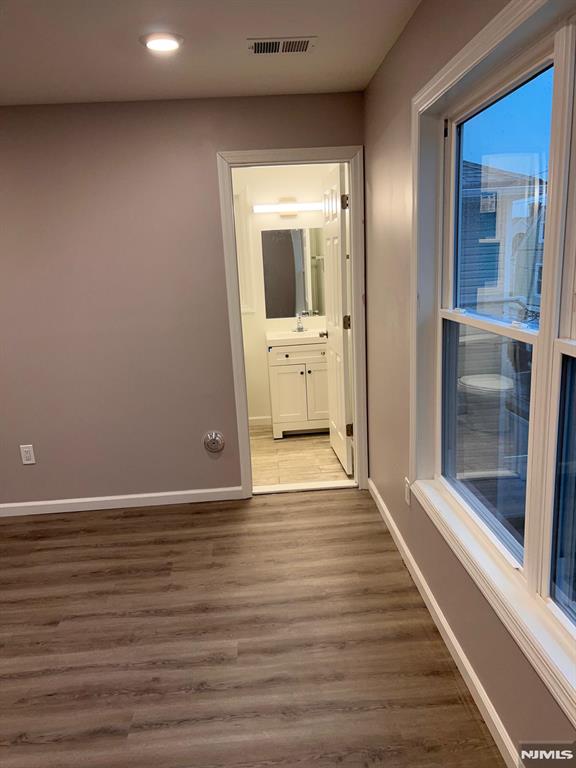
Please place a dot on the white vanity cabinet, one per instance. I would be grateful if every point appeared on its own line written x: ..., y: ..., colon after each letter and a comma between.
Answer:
x: 298, y: 385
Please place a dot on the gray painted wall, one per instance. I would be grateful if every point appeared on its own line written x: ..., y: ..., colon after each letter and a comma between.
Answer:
x: 114, y: 340
x: 436, y: 32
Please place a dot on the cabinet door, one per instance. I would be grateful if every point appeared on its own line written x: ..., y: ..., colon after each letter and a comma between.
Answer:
x: 317, y: 390
x: 288, y: 393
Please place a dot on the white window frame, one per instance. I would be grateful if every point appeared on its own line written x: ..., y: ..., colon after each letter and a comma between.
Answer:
x: 523, y: 68
x: 525, y: 38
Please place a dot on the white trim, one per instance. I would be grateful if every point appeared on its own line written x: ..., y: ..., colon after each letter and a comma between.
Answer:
x: 568, y: 315
x: 235, y: 323
x: 566, y: 347
x: 358, y: 314
x: 299, y: 156
x: 478, y: 524
x: 353, y: 155
x: 313, y: 485
x: 518, y: 22
x: 526, y: 65
x: 479, y: 693
x: 518, y: 331
x: 549, y: 479
x: 544, y: 415
x: 55, y: 506
x: 427, y: 153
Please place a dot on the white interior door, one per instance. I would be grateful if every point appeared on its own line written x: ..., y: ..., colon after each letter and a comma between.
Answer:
x: 336, y: 293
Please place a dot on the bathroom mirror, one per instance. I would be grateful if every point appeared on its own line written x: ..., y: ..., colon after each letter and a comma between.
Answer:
x: 293, y: 272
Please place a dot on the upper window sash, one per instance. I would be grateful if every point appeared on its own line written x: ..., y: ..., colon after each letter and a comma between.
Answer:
x: 522, y: 70
x: 523, y: 67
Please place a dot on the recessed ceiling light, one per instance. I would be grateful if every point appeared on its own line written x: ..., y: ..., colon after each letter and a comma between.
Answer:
x: 162, y: 42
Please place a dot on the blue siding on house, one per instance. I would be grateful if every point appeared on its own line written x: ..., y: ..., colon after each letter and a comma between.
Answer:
x: 477, y: 261
x: 487, y: 195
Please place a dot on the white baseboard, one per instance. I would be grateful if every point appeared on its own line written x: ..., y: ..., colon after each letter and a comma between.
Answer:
x: 260, y: 420
x: 117, y: 502
x: 479, y: 694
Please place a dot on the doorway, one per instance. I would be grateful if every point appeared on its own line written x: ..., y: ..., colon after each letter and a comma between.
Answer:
x: 293, y: 236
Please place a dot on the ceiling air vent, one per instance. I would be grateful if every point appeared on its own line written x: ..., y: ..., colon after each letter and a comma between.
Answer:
x: 295, y: 46
x: 281, y: 45
x: 266, y: 46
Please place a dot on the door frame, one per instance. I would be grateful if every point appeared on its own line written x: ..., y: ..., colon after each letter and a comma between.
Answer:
x: 354, y: 156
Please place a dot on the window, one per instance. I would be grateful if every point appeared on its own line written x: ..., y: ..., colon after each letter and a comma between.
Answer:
x: 499, y: 214
x: 563, y: 574
x: 493, y: 365
x: 486, y: 410
x: 503, y: 154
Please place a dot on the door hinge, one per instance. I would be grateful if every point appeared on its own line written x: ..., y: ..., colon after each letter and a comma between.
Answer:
x: 349, y: 430
x: 346, y: 322
x: 345, y: 202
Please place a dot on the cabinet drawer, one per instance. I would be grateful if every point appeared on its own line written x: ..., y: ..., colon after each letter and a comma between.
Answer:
x: 301, y: 353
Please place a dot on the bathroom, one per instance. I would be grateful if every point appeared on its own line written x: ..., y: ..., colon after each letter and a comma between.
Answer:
x: 293, y: 246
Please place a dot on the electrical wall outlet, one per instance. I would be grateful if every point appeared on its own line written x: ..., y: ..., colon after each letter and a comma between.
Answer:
x: 27, y: 454
x: 407, y: 493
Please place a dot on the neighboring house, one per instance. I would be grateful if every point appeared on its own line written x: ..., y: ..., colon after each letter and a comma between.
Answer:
x: 502, y: 239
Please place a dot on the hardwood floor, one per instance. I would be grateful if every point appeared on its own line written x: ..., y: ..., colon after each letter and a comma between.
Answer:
x: 293, y: 459
x: 280, y: 632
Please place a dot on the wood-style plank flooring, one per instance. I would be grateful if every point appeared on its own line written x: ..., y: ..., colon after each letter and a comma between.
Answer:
x: 280, y: 632
x: 293, y: 459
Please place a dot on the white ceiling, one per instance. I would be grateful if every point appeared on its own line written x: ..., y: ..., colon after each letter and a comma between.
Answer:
x: 58, y: 51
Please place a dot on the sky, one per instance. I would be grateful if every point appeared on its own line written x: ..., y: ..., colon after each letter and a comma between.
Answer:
x: 515, y: 129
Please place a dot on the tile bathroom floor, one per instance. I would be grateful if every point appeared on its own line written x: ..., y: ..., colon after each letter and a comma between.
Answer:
x: 293, y: 459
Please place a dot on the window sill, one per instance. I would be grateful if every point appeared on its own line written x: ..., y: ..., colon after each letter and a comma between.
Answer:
x: 547, y: 643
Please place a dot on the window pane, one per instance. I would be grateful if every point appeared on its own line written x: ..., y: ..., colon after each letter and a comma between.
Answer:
x: 485, y: 426
x: 502, y: 191
x: 563, y: 581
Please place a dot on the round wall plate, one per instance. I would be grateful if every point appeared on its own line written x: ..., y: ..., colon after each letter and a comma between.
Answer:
x: 214, y: 441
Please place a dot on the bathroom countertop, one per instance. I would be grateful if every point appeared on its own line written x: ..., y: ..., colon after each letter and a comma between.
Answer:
x: 284, y: 338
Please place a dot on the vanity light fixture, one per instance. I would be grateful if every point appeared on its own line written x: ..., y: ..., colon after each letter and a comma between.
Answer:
x: 162, y: 42
x: 287, y: 207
